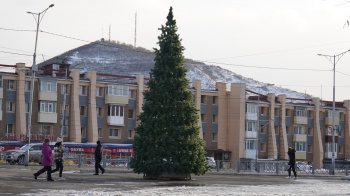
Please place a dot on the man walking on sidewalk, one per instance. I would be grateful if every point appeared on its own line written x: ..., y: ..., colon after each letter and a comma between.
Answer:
x: 98, y: 158
x: 291, y: 163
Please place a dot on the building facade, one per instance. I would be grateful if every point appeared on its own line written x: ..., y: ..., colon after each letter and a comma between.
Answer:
x: 237, y: 124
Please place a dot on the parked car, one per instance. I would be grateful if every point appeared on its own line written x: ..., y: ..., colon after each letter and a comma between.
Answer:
x: 18, y: 156
x: 211, y: 162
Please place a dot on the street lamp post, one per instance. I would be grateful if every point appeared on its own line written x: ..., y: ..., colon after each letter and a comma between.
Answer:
x: 334, y: 60
x: 37, y: 17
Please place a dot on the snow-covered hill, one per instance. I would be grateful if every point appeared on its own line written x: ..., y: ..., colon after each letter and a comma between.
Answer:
x: 122, y: 59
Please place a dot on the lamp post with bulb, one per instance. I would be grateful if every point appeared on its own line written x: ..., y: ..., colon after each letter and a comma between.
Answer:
x: 38, y: 18
x: 334, y: 60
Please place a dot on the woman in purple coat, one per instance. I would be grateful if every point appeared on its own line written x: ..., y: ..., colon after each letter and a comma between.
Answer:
x: 46, y: 161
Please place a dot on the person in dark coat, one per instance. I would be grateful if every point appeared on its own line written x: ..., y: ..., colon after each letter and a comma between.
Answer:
x: 291, y: 163
x: 98, y: 158
x: 46, y: 161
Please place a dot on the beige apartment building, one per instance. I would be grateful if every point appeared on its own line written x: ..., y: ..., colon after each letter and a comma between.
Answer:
x: 237, y: 124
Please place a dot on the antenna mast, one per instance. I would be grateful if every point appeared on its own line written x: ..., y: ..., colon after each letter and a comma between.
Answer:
x: 135, y: 29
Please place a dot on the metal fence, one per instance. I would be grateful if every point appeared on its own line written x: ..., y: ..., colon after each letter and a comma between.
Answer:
x: 86, y: 160
x: 277, y: 167
x: 271, y: 167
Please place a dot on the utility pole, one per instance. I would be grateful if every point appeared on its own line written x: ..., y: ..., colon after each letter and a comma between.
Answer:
x: 334, y: 61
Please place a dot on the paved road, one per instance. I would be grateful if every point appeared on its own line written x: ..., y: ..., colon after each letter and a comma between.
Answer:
x: 19, y: 180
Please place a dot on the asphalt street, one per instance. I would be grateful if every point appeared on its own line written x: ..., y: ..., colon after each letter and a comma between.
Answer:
x: 19, y: 180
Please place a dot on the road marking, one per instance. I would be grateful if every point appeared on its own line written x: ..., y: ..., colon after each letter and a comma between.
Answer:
x: 105, y: 184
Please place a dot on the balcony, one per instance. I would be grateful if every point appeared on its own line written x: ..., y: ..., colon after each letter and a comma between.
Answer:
x: 300, y: 155
x: 115, y: 120
x: 329, y: 121
x: 110, y: 99
x: 300, y: 138
x: 47, y: 117
x: 251, y: 116
x: 250, y: 134
x: 48, y: 95
x: 300, y: 120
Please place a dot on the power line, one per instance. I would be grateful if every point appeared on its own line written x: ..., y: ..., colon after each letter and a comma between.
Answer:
x: 265, y: 67
x: 278, y: 51
x: 15, y: 53
x: 6, y: 29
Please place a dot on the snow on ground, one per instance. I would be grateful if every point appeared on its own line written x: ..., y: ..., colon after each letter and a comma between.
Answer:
x: 303, y: 187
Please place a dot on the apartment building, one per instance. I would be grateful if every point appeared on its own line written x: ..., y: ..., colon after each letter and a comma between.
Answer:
x: 236, y: 123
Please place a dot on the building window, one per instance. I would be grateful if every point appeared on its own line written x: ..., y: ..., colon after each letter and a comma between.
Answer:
x: 0, y: 104
x: 215, y: 119
x: 130, y: 134
x: 48, y: 106
x: 11, y: 85
x: 340, y: 151
x: 116, y: 110
x: 329, y: 114
x: 252, y: 108
x: 48, y: 86
x: 64, y: 110
x: 299, y: 130
x: 1, y: 83
x: 215, y: 100
x: 82, y: 90
x: 27, y: 86
x: 82, y: 111
x: 45, y: 129
x: 203, y: 117
x: 117, y: 90
x: 99, y: 91
x: 10, y: 106
x: 262, y: 147
x: 299, y: 111
x: 113, y: 133
x: 83, y: 132
x: 27, y: 107
x: 64, y: 89
x: 132, y: 94
x: 99, y: 111
x: 99, y: 132
x: 65, y: 131
x: 287, y: 112
x: 309, y: 131
x: 309, y: 148
x: 277, y: 112
x: 214, y: 137
x: 131, y: 114
x: 203, y: 99
x: 250, y: 125
x: 9, y: 128
x: 250, y: 145
x: 310, y: 114
x: 300, y: 146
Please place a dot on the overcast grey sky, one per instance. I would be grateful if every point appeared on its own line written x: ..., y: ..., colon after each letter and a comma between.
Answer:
x: 272, y: 41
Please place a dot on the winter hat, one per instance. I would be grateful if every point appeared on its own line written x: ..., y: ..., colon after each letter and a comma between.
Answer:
x: 59, y: 139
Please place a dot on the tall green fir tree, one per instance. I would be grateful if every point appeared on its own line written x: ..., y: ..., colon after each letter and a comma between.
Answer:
x: 167, y: 139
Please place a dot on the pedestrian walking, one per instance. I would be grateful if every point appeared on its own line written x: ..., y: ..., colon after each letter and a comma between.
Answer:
x: 58, y: 155
x: 98, y: 158
x: 46, y: 161
x: 291, y: 163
